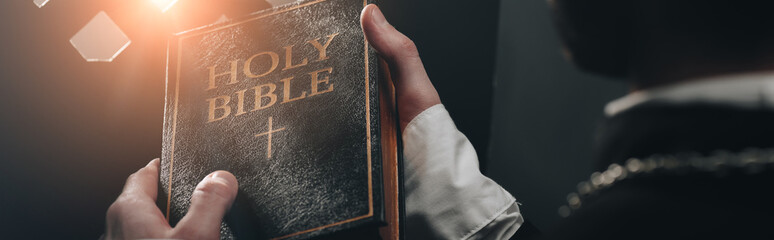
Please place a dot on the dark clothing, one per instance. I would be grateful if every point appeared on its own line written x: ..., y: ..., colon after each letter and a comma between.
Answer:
x: 729, y: 204
x: 671, y: 129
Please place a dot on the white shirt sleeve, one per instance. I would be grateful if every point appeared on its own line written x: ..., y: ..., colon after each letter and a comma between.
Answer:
x: 447, y: 197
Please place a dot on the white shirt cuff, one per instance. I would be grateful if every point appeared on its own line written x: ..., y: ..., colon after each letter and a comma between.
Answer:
x: 447, y: 197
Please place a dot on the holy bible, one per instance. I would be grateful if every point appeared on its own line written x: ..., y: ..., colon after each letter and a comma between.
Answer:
x: 293, y: 102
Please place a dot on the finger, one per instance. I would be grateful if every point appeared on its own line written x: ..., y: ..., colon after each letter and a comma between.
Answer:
x: 209, y: 203
x: 414, y: 90
x: 135, y: 214
x: 144, y: 182
x: 391, y: 44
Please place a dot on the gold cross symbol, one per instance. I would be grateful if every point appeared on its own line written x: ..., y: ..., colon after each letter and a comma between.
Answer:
x: 269, y: 133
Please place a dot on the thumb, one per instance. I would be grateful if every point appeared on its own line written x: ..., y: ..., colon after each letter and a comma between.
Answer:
x: 209, y: 203
x: 415, y: 92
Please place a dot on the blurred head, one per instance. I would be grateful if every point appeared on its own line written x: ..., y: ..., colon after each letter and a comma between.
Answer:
x: 651, y: 41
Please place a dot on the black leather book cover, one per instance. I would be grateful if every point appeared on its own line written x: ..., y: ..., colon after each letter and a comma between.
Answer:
x: 287, y: 99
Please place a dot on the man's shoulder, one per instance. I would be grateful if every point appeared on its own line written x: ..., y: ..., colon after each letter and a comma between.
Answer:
x: 664, y: 128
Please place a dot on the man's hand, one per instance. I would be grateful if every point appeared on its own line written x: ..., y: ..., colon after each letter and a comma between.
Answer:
x: 415, y: 92
x: 134, y: 214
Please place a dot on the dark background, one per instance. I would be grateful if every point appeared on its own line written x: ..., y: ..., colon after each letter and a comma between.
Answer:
x: 544, y: 114
x: 72, y: 131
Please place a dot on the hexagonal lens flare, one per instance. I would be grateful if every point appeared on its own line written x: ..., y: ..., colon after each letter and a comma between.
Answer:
x: 101, y: 40
x: 40, y: 3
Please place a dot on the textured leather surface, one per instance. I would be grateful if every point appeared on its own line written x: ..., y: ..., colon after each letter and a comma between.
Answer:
x: 318, y: 173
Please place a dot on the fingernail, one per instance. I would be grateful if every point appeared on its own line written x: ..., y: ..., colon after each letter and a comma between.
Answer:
x: 218, y: 177
x: 153, y: 162
x: 378, y: 16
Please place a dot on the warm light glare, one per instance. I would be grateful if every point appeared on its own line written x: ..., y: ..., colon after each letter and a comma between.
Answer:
x: 164, y: 5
